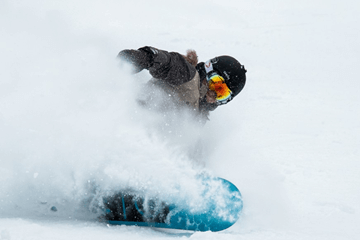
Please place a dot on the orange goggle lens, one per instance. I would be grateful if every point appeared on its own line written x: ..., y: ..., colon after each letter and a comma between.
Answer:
x: 217, y: 84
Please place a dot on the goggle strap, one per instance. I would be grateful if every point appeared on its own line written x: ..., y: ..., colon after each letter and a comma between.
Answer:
x: 224, y: 101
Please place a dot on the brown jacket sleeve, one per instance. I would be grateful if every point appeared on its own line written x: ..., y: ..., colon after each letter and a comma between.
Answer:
x: 170, y: 67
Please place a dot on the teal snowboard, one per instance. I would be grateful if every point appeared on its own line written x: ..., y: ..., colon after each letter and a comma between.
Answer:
x: 220, y: 201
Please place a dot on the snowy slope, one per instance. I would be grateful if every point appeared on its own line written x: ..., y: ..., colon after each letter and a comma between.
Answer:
x: 68, y: 117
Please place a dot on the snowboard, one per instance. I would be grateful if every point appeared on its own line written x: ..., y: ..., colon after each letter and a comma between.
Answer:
x: 219, y: 207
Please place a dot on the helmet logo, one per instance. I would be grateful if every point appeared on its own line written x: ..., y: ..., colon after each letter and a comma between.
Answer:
x: 226, y: 74
x: 208, y: 66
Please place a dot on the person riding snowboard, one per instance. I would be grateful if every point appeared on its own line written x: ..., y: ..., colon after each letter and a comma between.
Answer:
x: 201, y: 87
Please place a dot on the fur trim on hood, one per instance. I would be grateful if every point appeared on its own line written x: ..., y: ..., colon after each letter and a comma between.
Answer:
x: 191, y: 57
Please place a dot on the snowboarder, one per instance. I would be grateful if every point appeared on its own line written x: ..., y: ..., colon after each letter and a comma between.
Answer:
x: 200, y: 86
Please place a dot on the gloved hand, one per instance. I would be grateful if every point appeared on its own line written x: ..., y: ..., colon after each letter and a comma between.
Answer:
x: 137, y: 58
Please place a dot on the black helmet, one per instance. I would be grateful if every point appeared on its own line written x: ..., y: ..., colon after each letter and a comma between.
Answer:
x: 230, y: 69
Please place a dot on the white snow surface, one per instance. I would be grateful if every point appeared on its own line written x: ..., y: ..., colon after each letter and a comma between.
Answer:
x: 69, y: 118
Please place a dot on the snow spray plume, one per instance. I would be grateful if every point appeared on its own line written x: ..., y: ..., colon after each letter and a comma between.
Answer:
x: 77, y: 128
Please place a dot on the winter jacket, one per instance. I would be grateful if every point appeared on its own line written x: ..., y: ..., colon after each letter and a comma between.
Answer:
x: 176, y: 74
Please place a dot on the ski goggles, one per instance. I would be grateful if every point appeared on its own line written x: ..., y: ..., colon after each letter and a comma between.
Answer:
x: 217, y: 84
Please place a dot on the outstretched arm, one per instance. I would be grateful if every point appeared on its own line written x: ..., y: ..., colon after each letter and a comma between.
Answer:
x: 171, y: 67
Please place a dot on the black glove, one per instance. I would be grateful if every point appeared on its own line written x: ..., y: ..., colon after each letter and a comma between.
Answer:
x: 140, y: 59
